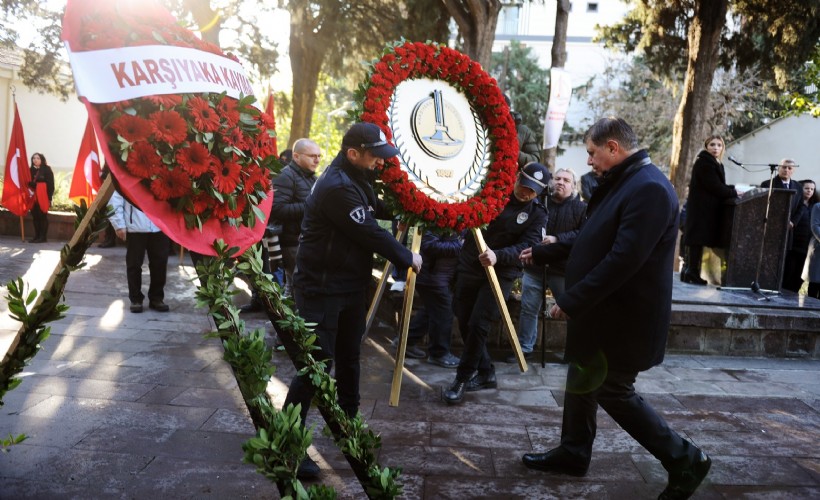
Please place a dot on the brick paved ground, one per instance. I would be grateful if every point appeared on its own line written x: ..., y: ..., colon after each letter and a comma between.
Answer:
x: 130, y: 406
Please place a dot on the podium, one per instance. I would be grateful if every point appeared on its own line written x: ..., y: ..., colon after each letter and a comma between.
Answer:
x: 743, y: 233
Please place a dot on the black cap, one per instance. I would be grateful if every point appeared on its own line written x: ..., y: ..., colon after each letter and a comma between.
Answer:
x: 370, y: 137
x: 535, y: 176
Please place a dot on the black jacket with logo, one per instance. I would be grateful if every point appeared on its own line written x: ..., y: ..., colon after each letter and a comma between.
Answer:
x: 516, y: 228
x: 340, y: 233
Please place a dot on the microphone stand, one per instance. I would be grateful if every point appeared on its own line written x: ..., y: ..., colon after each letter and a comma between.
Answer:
x: 755, y: 286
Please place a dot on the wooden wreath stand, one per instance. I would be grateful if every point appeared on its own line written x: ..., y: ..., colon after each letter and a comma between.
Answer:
x: 407, y: 307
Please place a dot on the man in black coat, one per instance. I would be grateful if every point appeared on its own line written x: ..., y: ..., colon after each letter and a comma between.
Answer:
x: 783, y: 180
x: 291, y: 189
x: 618, y: 305
x: 334, y: 266
x: 516, y: 228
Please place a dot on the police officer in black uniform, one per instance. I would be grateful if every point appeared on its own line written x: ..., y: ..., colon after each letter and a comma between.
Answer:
x: 516, y: 228
x: 334, y: 264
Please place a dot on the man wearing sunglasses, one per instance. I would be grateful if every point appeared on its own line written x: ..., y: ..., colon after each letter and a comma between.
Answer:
x: 334, y: 265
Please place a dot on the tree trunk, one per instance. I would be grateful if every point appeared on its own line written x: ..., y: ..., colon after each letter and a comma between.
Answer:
x: 310, y: 40
x: 690, y: 120
x: 476, y: 20
x: 559, y: 60
x: 206, y: 18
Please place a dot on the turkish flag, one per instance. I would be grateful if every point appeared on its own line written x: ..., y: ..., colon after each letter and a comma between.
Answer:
x: 86, y: 180
x: 269, y: 110
x: 16, y: 194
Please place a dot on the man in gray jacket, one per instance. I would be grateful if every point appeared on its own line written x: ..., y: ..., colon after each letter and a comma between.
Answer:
x: 141, y: 236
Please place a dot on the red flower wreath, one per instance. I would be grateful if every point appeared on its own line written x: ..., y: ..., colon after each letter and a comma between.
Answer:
x: 420, y: 60
x: 199, y: 165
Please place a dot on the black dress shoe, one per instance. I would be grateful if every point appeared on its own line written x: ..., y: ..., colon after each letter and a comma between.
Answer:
x: 454, y: 394
x: 684, y: 482
x: 511, y: 358
x: 308, y: 469
x: 479, y: 382
x: 158, y: 306
x: 555, y: 460
x: 136, y: 307
x: 693, y: 280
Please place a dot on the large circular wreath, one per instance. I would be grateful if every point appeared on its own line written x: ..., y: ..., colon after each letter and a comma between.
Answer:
x: 408, y: 60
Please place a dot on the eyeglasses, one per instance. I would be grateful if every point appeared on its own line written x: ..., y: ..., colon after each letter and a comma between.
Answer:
x: 374, y: 144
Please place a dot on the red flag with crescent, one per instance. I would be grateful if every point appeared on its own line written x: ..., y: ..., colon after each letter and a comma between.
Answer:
x: 86, y: 180
x: 17, y: 197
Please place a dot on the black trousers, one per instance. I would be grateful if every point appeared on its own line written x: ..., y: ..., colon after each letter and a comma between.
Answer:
x: 40, y: 221
x: 340, y: 323
x: 616, y: 395
x: 476, y: 310
x: 157, y: 246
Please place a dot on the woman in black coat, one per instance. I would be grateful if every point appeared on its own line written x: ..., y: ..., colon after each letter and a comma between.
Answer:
x: 40, y: 173
x: 707, y: 192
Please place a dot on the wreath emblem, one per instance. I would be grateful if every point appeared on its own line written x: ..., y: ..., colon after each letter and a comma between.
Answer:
x: 458, y: 144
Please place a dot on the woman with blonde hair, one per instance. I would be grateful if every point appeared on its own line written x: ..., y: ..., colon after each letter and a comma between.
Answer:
x: 707, y: 192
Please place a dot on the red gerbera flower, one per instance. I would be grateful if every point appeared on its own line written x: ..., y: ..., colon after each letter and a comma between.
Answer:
x: 169, y: 127
x: 226, y: 176
x: 171, y: 184
x: 205, y: 117
x: 194, y: 159
x: 165, y: 101
x: 143, y: 160
x: 132, y: 128
x: 227, y: 109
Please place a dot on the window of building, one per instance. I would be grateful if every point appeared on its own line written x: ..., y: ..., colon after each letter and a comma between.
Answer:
x: 508, y: 20
x: 592, y: 6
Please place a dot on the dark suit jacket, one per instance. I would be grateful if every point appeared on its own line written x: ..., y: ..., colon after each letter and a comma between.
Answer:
x: 619, y: 273
x: 794, y: 208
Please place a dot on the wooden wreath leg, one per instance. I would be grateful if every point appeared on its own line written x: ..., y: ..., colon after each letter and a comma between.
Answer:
x: 404, y: 324
x: 502, y: 304
x: 377, y: 297
x: 101, y: 200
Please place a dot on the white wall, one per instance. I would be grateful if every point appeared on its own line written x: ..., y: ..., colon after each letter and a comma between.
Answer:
x: 795, y: 137
x: 51, y: 127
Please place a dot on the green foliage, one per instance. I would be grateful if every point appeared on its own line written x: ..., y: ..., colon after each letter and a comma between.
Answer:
x: 10, y: 441
x: 525, y: 82
x: 282, y: 440
x: 807, y: 100
x: 770, y: 37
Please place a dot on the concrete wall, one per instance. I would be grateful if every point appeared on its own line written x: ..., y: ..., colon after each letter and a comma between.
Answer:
x: 51, y: 127
x: 793, y: 137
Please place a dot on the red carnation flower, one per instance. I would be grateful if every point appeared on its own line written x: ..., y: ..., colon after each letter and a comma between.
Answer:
x: 169, y: 127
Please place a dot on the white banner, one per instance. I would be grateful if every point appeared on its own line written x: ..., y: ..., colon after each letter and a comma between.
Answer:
x: 560, y: 93
x: 112, y: 75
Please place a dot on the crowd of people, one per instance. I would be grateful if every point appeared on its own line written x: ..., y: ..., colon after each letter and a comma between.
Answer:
x: 601, y: 246
x: 703, y: 218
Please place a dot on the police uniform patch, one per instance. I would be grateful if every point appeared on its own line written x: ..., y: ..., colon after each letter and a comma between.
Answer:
x: 522, y: 217
x: 357, y: 214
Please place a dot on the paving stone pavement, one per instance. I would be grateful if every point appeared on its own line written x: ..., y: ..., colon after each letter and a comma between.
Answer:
x: 121, y: 405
